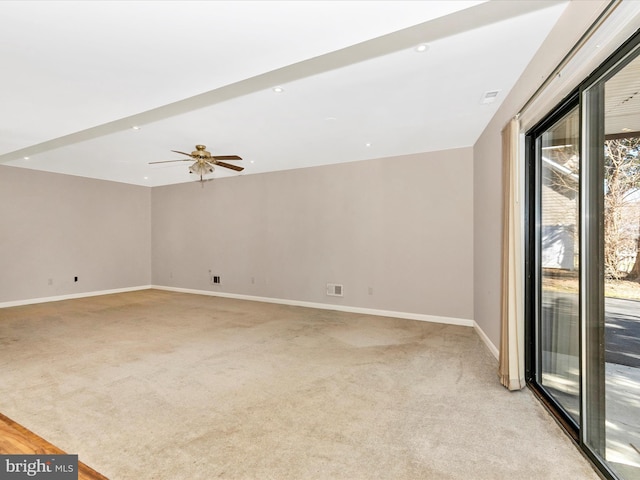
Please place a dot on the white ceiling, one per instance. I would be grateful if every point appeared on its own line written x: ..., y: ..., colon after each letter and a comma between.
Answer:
x: 78, y: 75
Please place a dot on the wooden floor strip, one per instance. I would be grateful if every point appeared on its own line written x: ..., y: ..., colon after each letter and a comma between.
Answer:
x: 16, y: 439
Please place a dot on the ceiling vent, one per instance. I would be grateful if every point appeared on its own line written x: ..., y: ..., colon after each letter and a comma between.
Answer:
x: 490, y: 96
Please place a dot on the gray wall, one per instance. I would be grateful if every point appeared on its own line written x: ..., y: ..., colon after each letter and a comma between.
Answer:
x: 58, y: 227
x: 402, y: 227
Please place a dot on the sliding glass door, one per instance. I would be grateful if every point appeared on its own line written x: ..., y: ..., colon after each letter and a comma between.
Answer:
x: 584, y: 264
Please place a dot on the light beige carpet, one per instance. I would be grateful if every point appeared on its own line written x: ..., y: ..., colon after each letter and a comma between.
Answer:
x: 162, y: 385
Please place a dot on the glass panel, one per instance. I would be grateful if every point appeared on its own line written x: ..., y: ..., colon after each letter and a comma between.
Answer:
x: 621, y: 234
x: 559, y: 329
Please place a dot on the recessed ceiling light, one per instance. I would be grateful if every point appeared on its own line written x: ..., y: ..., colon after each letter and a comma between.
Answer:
x: 135, y: 127
x: 251, y: 161
x: 423, y: 47
x: 278, y: 89
x: 330, y: 119
x: 146, y: 178
x: 367, y: 144
x: 26, y: 158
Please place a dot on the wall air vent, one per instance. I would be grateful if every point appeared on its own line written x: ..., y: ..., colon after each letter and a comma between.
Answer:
x: 334, y: 290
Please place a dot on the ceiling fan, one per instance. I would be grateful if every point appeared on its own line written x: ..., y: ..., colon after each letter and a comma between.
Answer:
x: 204, y: 161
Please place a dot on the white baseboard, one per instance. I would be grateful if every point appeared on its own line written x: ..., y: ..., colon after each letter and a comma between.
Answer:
x: 341, y: 308
x: 492, y: 348
x: 57, y: 298
x: 324, y: 306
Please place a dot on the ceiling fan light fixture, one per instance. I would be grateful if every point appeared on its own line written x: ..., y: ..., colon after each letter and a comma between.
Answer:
x: 205, y: 163
x: 201, y: 168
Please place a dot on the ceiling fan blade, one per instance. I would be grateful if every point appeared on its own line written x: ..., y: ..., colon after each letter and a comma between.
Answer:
x: 168, y: 161
x: 226, y: 157
x: 182, y: 153
x: 228, y: 165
